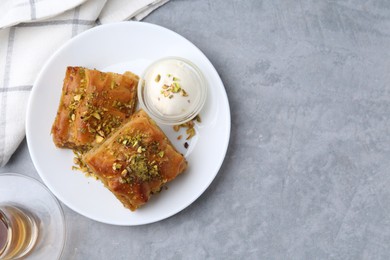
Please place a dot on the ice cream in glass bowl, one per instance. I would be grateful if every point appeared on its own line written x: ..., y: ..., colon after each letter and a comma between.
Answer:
x: 172, y: 90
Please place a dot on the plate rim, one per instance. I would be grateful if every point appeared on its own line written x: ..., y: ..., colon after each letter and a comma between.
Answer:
x: 41, y: 75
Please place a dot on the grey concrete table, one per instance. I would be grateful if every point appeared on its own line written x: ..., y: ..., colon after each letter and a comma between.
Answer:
x: 307, y: 173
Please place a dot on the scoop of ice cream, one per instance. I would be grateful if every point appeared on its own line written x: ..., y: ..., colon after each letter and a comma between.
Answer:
x: 173, y: 87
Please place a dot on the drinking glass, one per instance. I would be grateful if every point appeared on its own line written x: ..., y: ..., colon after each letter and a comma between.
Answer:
x: 31, y: 219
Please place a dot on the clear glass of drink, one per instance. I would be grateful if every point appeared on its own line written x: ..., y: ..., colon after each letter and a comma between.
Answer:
x: 31, y: 219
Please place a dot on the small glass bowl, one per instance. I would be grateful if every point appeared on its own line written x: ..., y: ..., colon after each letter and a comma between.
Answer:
x: 196, y: 105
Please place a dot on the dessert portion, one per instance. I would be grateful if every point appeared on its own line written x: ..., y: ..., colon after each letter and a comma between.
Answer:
x: 172, y: 90
x: 93, y: 104
x: 135, y: 161
x: 125, y: 149
x: 172, y: 87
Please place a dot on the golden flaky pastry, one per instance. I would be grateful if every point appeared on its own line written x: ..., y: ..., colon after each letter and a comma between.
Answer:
x: 136, y: 161
x: 93, y: 104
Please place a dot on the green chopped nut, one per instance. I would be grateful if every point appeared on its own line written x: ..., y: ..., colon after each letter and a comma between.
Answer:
x: 124, y: 173
x: 96, y: 115
x: 176, y: 87
x: 183, y: 93
x: 113, y: 84
x: 99, y: 139
x: 158, y: 77
x: 116, y: 166
x: 77, y: 98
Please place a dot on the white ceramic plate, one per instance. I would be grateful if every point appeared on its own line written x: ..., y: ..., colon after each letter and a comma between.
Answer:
x: 120, y: 47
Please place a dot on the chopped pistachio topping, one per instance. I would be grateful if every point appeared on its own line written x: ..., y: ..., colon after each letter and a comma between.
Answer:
x: 113, y: 84
x: 99, y: 139
x: 132, y: 141
x: 96, y: 115
x: 176, y: 128
x: 77, y: 97
x: 158, y: 77
x: 77, y: 160
x: 174, y: 88
x: 124, y: 173
x: 141, y: 161
x: 183, y: 93
x: 116, y: 166
x: 190, y: 130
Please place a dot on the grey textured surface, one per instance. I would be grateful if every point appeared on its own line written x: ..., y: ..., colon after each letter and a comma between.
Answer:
x: 307, y: 172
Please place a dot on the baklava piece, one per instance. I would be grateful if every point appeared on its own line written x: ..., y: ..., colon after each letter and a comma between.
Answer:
x: 136, y: 161
x: 93, y: 104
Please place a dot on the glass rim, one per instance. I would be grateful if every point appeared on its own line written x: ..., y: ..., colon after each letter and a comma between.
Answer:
x: 28, y: 220
x: 4, y: 219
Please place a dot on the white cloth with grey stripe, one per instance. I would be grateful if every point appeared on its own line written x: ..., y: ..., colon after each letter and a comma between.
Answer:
x: 30, y: 31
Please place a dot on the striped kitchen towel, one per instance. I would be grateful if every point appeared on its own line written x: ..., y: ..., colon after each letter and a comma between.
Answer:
x: 30, y: 31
